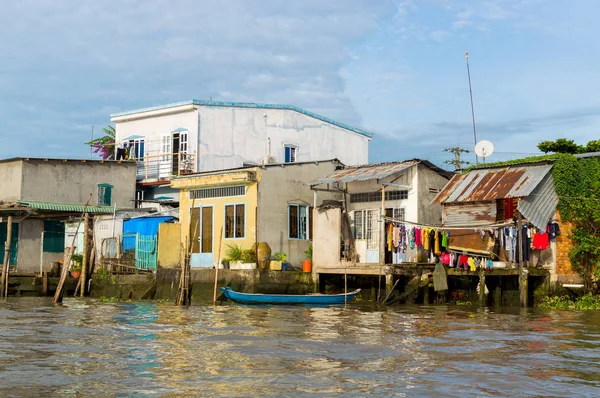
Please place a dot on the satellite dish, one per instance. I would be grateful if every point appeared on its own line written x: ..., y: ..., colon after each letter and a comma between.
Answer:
x: 484, y: 149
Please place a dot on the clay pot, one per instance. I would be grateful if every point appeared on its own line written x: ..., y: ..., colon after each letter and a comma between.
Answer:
x: 75, y: 274
x: 263, y: 255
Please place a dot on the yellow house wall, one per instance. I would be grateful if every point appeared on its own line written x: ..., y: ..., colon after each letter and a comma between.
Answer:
x: 218, y: 204
x: 169, y: 247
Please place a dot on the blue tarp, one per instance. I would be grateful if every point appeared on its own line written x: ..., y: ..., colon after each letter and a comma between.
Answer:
x: 145, y: 225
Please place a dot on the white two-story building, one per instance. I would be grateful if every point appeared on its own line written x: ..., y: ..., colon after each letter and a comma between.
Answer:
x: 193, y: 136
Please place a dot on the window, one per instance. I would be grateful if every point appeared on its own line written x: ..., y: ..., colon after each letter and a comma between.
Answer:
x: 183, y: 142
x: 54, y: 237
x: 299, y: 222
x: 104, y: 194
x: 222, y: 192
x: 136, y: 149
x: 364, y: 197
x: 366, y: 226
x: 166, y: 147
x: 235, y: 221
x: 290, y: 154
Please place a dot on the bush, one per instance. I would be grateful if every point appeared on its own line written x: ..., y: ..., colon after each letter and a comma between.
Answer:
x: 279, y: 256
x: 248, y: 256
x: 233, y: 253
x: 308, y: 253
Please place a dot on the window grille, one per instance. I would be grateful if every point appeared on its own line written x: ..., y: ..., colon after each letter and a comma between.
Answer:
x: 364, y: 197
x: 220, y: 192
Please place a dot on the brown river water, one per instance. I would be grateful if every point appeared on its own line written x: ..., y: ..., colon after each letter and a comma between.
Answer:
x: 90, y: 348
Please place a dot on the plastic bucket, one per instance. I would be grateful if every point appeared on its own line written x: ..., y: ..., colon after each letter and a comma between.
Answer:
x: 306, y: 266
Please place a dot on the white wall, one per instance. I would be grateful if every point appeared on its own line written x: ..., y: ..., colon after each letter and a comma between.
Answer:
x: 155, y: 127
x: 230, y: 136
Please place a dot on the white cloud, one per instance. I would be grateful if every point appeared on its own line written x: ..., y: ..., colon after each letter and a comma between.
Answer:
x: 121, y: 54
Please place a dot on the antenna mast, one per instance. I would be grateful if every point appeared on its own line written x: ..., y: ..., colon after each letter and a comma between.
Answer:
x: 472, y: 110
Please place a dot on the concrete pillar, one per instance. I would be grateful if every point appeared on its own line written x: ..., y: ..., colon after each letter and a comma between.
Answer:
x: 426, y: 294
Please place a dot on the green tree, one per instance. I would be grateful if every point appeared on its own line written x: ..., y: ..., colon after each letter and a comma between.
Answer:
x: 593, y: 146
x: 105, y: 145
x: 561, y: 145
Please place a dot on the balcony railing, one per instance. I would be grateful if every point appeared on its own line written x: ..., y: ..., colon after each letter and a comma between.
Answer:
x: 165, y: 166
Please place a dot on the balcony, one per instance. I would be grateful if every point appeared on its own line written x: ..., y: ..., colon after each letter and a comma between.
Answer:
x: 165, y: 166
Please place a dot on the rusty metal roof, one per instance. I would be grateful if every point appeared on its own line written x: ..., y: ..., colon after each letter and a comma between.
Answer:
x: 491, y: 184
x: 376, y: 171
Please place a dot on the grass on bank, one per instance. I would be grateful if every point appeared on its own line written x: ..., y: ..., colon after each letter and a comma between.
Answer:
x: 586, y: 302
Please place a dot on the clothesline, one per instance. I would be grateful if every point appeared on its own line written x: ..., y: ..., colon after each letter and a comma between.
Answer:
x: 448, y: 228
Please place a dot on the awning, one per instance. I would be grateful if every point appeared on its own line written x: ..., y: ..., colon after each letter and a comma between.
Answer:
x: 65, y: 207
x: 376, y: 171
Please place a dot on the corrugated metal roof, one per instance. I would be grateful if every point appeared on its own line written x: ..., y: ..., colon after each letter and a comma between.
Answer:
x: 374, y: 171
x: 65, y: 207
x: 539, y: 207
x: 491, y: 184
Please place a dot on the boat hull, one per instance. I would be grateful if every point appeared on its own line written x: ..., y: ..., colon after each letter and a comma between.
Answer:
x: 316, y: 299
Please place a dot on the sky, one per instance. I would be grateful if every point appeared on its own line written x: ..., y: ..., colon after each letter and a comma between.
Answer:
x: 394, y: 68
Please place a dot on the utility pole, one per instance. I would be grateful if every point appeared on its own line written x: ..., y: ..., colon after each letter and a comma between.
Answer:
x: 472, y: 109
x: 456, y: 162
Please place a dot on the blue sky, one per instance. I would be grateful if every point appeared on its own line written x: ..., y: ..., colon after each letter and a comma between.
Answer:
x: 396, y: 68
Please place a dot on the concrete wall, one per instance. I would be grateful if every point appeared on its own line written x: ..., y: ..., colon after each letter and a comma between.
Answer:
x: 30, y: 246
x: 11, y: 180
x: 429, y: 213
x: 169, y: 247
x: 279, y: 187
x: 73, y: 181
x: 230, y: 136
x: 326, y: 242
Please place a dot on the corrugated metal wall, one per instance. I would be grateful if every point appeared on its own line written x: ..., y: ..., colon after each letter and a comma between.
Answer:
x: 539, y: 207
x: 469, y: 214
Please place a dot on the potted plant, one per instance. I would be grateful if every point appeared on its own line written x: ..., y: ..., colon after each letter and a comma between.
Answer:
x: 307, y: 264
x: 239, y: 258
x: 278, y: 261
x: 76, y: 260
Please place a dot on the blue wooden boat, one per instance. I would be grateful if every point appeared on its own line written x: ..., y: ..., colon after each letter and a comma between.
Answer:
x: 317, y: 299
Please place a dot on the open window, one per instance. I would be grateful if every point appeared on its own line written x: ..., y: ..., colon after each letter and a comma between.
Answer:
x: 290, y: 153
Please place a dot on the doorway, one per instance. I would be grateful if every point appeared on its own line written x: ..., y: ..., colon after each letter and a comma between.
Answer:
x: 201, y: 236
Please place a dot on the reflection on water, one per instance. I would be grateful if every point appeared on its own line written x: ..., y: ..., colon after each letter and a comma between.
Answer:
x: 157, y: 349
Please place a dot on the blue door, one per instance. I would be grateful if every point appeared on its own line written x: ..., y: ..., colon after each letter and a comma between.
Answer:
x: 201, y: 236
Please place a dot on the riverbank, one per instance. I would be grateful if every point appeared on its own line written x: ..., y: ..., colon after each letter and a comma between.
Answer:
x: 417, y: 288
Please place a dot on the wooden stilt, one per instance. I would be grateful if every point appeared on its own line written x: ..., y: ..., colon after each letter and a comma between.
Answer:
x: 6, y: 264
x: 67, y: 259
x: 522, y: 271
x: 86, y: 250
x: 217, y: 267
x: 44, y: 283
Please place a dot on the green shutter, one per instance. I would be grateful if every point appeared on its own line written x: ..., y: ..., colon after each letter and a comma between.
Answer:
x: 104, y: 195
x: 54, y: 236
